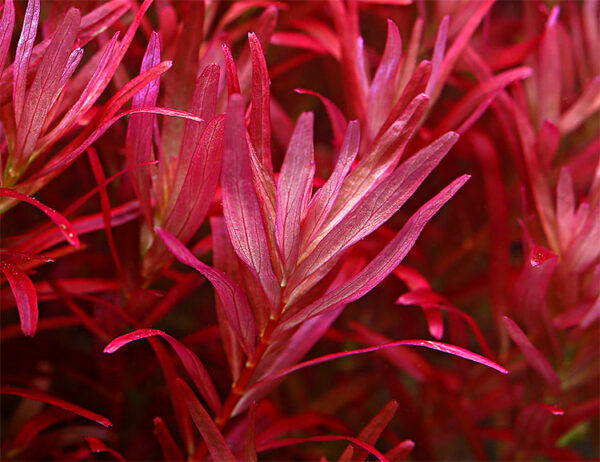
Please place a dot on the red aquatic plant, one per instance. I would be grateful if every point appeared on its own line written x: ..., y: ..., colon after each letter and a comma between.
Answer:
x: 249, y: 187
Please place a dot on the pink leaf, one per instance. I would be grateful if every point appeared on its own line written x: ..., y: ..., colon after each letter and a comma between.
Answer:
x: 60, y: 221
x: 24, y: 292
x: 240, y: 204
x: 532, y: 355
x: 210, y: 433
x: 438, y: 55
x: 260, y: 115
x: 323, y: 200
x: 189, y: 360
x: 45, y: 398
x: 236, y: 307
x: 169, y: 449
x: 549, y: 75
x: 138, y: 142
x: 376, y: 207
x: 385, y: 262
x: 7, y: 24
x: 23, y: 55
x: 233, y: 84
x: 380, y: 97
x: 378, y: 163
x: 443, y: 347
x: 401, y: 450
x: 293, y: 189
x: 45, y: 86
x: 97, y: 446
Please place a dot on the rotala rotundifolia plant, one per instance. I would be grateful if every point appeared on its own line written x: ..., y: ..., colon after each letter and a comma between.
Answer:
x: 241, y: 204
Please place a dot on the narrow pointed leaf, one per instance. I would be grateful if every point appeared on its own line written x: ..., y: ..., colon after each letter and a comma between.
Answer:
x: 60, y: 221
x: 189, y: 360
x: 138, y: 144
x: 380, y: 97
x: 260, y: 113
x: 323, y: 200
x: 336, y: 116
x: 25, y: 295
x: 438, y: 55
x: 46, y: 85
x: 384, y: 263
x: 45, y: 398
x: 401, y: 450
x: 240, y: 204
x: 236, y: 307
x: 532, y: 355
x: 377, y: 206
x: 210, y: 433
x: 7, y: 24
x: 168, y: 446
x: 23, y: 55
x: 438, y: 346
x: 294, y: 180
x: 371, y: 432
x: 233, y: 84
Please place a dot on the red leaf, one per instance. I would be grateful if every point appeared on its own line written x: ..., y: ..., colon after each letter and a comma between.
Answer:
x: 25, y: 296
x: 325, y: 438
x: 323, y: 200
x: 138, y: 142
x: 45, y: 87
x: 60, y: 221
x: 233, y: 84
x: 443, y: 347
x: 45, y: 398
x: 371, y: 432
x: 438, y: 55
x: 189, y: 360
x: 384, y: 263
x: 23, y: 55
x: 400, y: 451
x: 240, y: 204
x: 260, y: 112
x: 293, y: 190
x: 170, y: 450
x: 7, y: 24
x: 373, y: 210
x: 236, y: 307
x: 34, y: 426
x: 210, y: 433
x: 532, y: 355
x: 549, y: 75
x: 380, y: 97
x: 97, y: 446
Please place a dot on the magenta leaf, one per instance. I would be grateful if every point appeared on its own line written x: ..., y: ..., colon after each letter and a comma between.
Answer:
x: 60, y: 221
x: 384, y: 263
x: 376, y: 207
x: 23, y: 55
x: 189, y: 360
x: 45, y: 86
x: 210, y: 433
x: 532, y: 355
x: 7, y: 24
x: 323, y: 200
x: 25, y: 295
x: 293, y: 189
x: 45, y: 398
x: 240, y: 204
x: 236, y: 307
x: 260, y: 112
x: 139, y: 130
x: 443, y: 347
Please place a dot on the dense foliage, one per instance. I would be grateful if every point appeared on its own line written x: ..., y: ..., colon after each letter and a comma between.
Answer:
x: 269, y: 230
